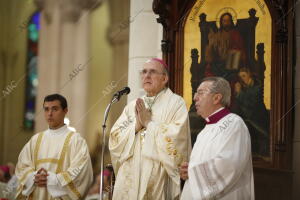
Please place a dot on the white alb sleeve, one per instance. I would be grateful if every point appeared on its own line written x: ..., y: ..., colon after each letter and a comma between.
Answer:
x: 54, y: 187
x: 29, y: 184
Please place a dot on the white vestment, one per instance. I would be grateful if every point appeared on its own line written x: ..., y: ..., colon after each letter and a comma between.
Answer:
x: 220, y: 165
x: 65, y: 156
x: 146, y: 163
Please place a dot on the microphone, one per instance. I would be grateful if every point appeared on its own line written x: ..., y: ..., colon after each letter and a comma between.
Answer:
x: 125, y: 90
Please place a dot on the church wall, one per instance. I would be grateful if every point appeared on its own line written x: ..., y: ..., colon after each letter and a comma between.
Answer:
x: 118, y: 37
x: 296, y: 141
x: 100, y: 71
x: 109, y: 69
x: 14, y: 15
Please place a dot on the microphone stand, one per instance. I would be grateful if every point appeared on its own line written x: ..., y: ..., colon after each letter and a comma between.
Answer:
x: 115, y: 99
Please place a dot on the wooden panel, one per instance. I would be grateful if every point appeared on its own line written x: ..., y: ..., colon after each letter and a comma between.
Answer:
x: 272, y: 184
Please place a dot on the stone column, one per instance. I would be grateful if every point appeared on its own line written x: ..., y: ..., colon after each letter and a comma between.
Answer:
x: 144, y: 42
x: 63, y: 63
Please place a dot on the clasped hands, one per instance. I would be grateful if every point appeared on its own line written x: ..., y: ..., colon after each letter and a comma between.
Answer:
x: 183, y: 170
x: 40, y: 179
x: 143, y: 117
x: 142, y: 114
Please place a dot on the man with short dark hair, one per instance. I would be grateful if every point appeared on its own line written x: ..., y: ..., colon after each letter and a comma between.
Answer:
x: 54, y: 163
x: 150, y: 140
x: 220, y: 164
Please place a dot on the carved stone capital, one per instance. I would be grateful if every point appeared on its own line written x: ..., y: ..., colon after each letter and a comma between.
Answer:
x: 71, y: 10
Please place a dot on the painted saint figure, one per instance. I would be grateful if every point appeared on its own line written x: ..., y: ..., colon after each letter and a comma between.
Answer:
x: 251, y: 107
x: 225, y: 51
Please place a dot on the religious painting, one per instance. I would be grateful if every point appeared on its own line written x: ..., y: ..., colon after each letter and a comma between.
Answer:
x: 233, y: 40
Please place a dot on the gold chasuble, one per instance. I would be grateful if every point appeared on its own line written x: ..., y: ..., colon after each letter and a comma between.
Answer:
x: 65, y: 156
x: 147, y: 163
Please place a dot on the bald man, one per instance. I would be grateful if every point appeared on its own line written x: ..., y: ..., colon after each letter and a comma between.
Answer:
x: 150, y: 140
